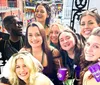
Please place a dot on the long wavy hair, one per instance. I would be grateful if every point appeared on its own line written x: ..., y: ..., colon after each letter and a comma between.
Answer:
x: 91, y: 13
x: 85, y: 64
x: 48, y: 10
x: 33, y: 64
x: 45, y: 46
x: 77, y: 48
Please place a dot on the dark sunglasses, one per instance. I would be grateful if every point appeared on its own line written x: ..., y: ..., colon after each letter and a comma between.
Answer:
x: 19, y: 22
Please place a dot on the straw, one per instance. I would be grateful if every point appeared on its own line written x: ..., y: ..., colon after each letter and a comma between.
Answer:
x: 59, y: 63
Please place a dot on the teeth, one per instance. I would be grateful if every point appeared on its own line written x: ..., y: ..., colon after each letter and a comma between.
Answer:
x: 23, y: 74
x: 34, y: 42
x: 54, y: 39
x: 87, y: 32
x: 66, y: 45
x: 88, y: 55
x: 38, y: 16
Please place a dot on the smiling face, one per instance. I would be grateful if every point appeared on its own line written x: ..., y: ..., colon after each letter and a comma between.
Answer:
x: 92, y: 48
x: 67, y: 41
x: 34, y: 37
x: 41, y: 14
x: 87, y: 24
x: 22, y: 70
x: 54, y: 32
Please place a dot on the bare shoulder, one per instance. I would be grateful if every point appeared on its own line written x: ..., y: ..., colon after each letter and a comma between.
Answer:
x: 87, y: 74
x: 87, y: 81
x: 41, y: 79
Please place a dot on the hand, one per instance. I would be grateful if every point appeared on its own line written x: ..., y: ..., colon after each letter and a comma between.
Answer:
x: 0, y: 38
x: 67, y: 75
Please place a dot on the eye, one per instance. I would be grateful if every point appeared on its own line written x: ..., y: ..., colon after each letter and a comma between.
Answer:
x: 41, y: 11
x: 95, y: 46
x: 67, y: 37
x: 61, y: 40
x: 82, y: 24
x: 37, y: 34
x: 36, y: 11
x: 30, y: 35
x: 24, y: 66
x: 87, y: 44
x: 90, y: 23
x: 17, y: 66
x: 56, y: 32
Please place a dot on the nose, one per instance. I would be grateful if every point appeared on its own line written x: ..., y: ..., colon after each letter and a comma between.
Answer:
x: 34, y: 38
x: 21, y: 69
x: 65, y: 41
x: 53, y: 34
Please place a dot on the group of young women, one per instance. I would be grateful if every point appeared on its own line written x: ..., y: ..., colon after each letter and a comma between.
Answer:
x: 54, y: 46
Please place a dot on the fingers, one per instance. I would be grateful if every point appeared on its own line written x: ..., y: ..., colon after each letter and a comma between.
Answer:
x: 67, y: 75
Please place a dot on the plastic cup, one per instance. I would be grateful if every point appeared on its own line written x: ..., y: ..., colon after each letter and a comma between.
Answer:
x: 95, y: 71
x: 62, y: 73
x: 77, y: 71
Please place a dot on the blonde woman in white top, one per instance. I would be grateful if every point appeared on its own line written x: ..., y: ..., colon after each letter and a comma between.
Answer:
x: 24, y: 69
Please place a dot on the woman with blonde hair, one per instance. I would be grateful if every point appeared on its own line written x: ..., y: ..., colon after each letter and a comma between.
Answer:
x: 55, y: 29
x: 25, y: 70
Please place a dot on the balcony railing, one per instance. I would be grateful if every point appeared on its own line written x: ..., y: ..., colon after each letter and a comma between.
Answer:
x: 27, y: 3
x: 12, y: 3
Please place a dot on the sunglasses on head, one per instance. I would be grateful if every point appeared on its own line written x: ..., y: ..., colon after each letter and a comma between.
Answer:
x: 93, y: 10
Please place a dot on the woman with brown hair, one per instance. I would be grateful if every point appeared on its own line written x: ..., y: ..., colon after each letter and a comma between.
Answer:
x: 71, y: 51
x: 36, y: 43
x: 43, y: 15
x: 88, y: 21
x: 24, y: 69
x: 90, y: 57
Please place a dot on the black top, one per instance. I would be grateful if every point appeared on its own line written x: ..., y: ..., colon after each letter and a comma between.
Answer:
x: 6, y: 81
x: 53, y: 73
x: 68, y: 63
x: 8, y: 48
x: 57, y: 47
x: 74, y: 70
